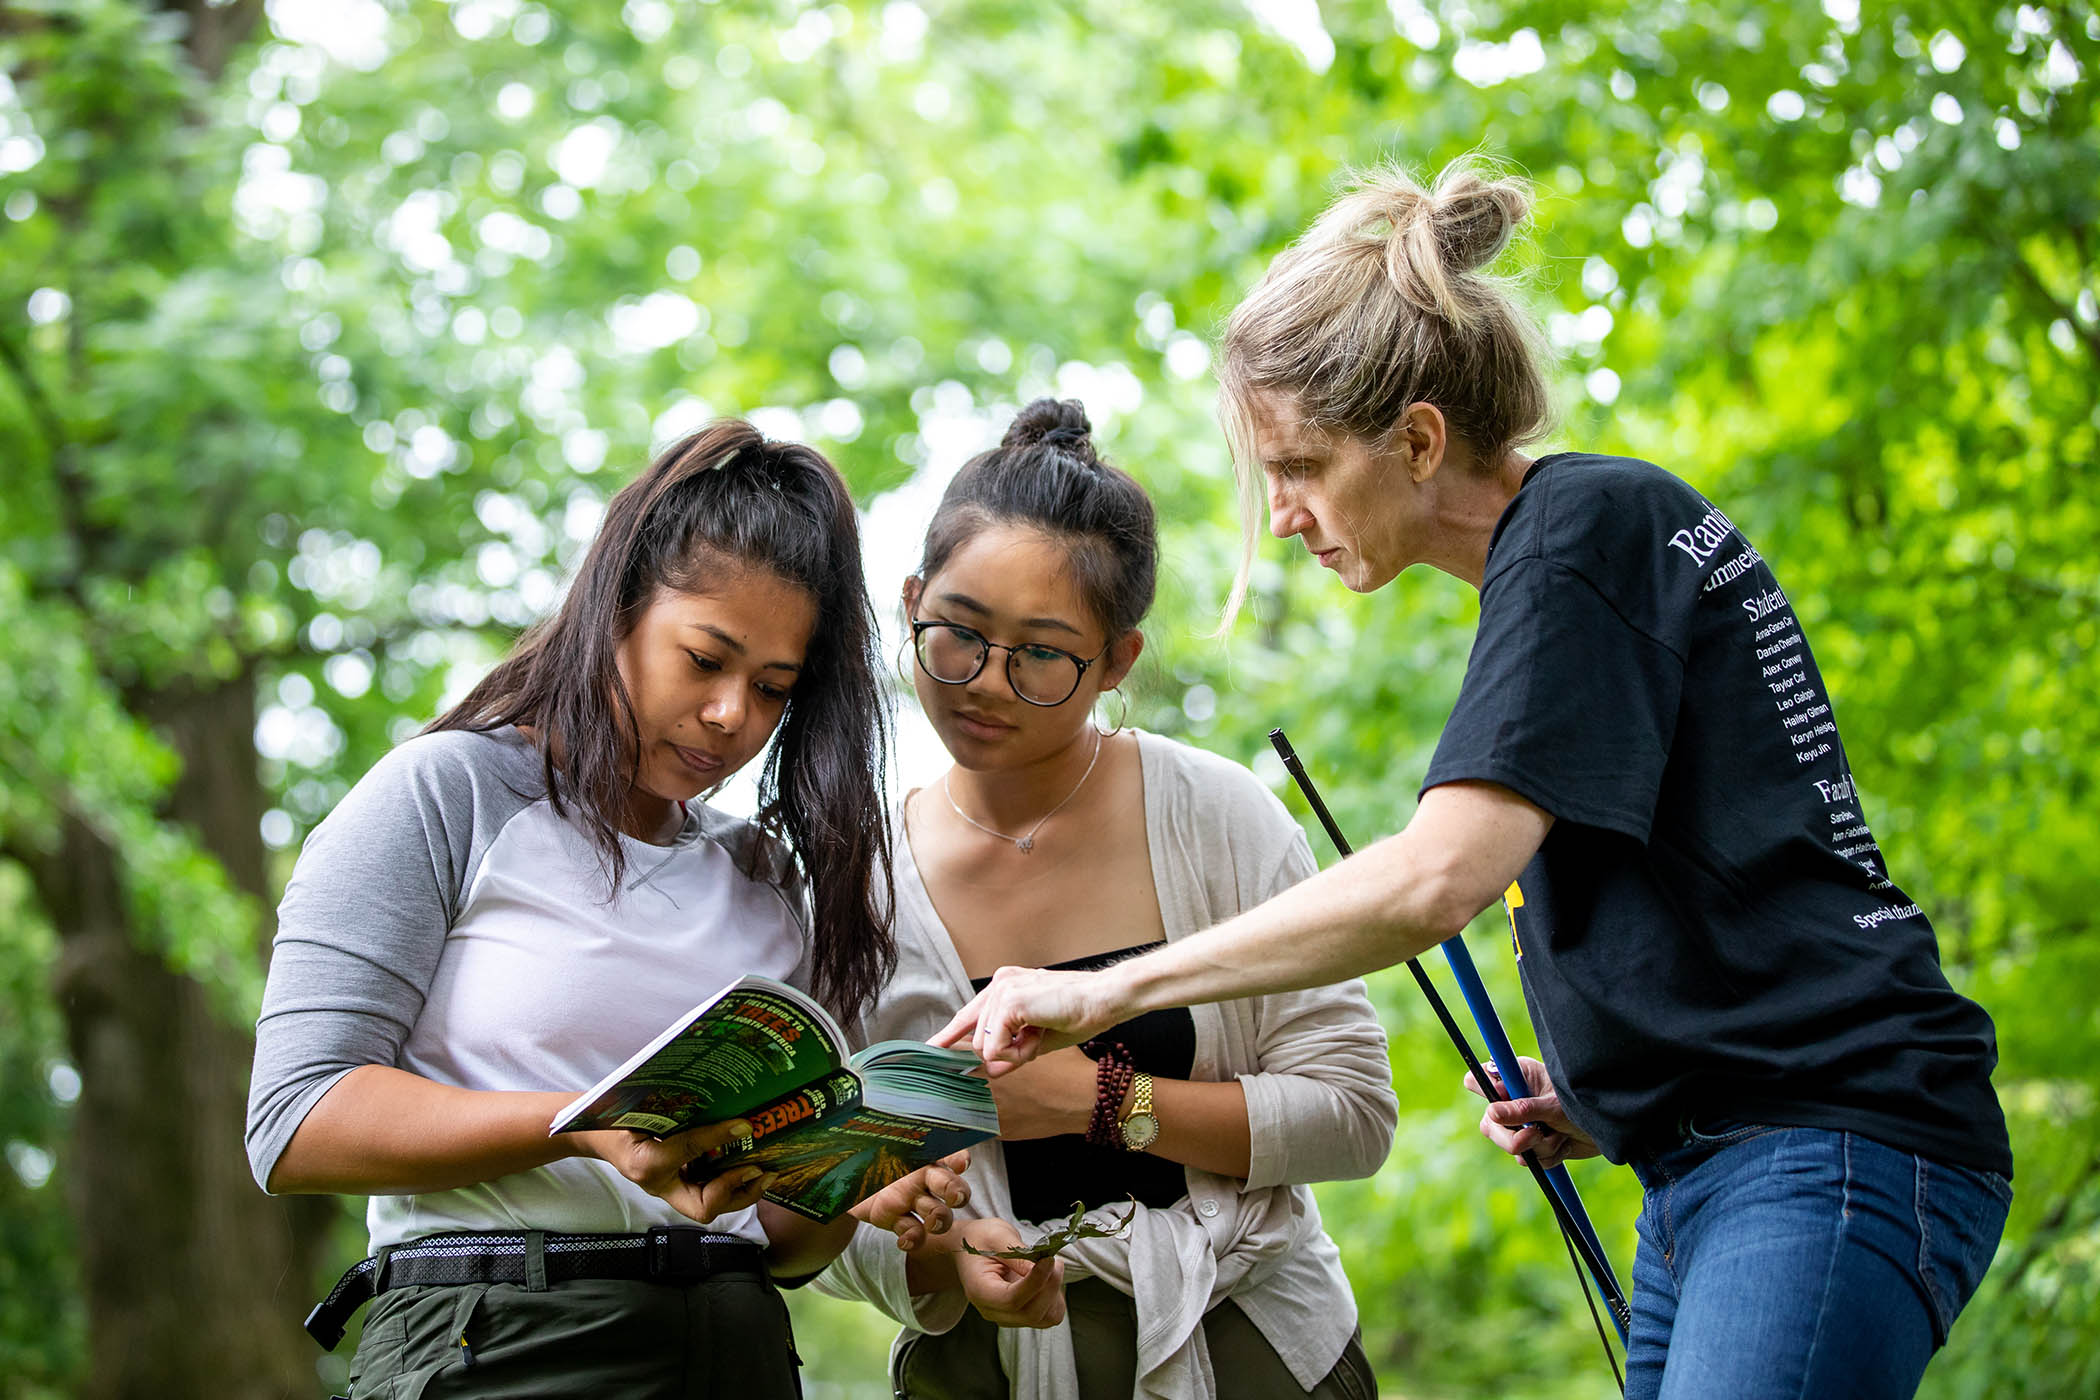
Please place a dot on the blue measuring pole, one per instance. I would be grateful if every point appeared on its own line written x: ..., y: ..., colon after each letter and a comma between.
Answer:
x: 1513, y: 1081
x: 1557, y: 1186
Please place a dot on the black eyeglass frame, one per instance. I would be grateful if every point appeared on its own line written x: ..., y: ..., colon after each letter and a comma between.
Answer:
x: 987, y: 646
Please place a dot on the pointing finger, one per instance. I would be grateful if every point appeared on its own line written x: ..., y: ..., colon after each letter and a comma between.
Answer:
x: 962, y: 1026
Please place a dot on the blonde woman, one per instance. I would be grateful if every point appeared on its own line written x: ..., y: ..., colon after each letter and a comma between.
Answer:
x: 1731, y: 994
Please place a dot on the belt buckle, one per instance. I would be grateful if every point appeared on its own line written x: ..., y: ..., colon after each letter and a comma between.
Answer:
x: 689, y: 1253
x: 676, y: 1251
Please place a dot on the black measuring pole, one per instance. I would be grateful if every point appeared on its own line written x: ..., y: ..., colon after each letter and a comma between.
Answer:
x: 1490, y: 1085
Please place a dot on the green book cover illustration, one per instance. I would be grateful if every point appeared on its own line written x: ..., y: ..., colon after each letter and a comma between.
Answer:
x: 836, y: 1127
x: 839, y: 1141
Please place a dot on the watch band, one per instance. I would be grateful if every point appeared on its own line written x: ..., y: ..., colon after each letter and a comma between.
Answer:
x: 1141, y: 1124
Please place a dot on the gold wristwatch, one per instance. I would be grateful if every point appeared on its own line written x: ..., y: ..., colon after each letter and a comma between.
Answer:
x: 1141, y: 1124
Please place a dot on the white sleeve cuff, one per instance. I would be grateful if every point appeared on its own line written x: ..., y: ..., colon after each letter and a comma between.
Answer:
x: 872, y: 1270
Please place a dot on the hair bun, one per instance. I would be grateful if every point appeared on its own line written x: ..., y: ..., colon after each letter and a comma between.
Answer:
x: 1434, y: 244
x: 1059, y: 423
x: 1474, y: 217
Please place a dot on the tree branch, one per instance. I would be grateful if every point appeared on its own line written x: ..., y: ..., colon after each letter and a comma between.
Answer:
x: 2041, y: 1237
x: 2063, y: 310
x: 2034, y: 587
x: 215, y: 31
x: 47, y: 418
x: 65, y: 476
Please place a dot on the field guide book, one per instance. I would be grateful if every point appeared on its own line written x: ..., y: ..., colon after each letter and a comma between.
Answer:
x: 835, y: 1127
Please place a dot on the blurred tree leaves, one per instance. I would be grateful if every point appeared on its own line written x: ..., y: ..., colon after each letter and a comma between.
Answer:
x: 315, y: 368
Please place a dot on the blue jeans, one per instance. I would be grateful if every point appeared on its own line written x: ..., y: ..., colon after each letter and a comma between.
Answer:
x: 1784, y: 1263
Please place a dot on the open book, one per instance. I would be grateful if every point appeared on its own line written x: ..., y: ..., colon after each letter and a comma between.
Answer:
x: 837, y: 1128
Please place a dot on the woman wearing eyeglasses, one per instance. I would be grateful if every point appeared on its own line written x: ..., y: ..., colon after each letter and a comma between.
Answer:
x: 1053, y: 844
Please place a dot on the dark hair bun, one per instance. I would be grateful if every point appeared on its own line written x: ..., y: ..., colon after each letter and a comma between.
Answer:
x: 1060, y: 423
x: 1045, y: 474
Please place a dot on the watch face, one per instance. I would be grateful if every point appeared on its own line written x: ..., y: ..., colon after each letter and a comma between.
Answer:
x: 1138, y: 1130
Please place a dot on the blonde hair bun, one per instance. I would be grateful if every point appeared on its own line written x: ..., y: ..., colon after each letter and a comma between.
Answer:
x: 1474, y: 218
x: 1430, y: 238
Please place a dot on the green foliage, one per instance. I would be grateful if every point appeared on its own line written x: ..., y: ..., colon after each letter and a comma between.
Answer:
x: 1073, y: 1230
x: 40, y: 1323
x: 314, y: 372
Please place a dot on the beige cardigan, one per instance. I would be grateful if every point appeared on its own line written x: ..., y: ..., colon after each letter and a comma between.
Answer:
x: 1320, y: 1107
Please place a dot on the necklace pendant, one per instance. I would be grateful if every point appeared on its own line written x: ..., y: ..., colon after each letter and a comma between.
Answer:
x: 1023, y: 844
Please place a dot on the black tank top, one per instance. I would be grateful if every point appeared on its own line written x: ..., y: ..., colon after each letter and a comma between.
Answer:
x: 1047, y: 1175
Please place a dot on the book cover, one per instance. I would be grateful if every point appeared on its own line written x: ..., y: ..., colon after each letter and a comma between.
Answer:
x: 755, y: 1041
x: 834, y: 1128
x: 827, y: 1166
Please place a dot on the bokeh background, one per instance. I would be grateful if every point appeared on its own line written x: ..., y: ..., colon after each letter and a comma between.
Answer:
x: 327, y: 327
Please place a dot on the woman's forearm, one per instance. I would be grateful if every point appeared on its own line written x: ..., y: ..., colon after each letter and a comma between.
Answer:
x: 1367, y: 913
x: 1201, y: 1125
x: 1382, y: 906
x: 931, y: 1267
x: 1385, y: 904
x: 798, y: 1246
x: 384, y: 1131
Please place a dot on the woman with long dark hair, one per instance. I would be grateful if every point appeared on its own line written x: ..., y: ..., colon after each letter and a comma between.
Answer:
x: 1053, y: 843
x: 1730, y: 991
x: 511, y: 902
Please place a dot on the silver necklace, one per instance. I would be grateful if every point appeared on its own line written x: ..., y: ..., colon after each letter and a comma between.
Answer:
x: 1023, y: 844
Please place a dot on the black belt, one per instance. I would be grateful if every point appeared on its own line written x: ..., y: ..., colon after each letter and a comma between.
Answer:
x: 665, y: 1254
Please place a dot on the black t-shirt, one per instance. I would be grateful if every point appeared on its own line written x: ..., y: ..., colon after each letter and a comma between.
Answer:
x: 1047, y: 1175
x: 1709, y: 926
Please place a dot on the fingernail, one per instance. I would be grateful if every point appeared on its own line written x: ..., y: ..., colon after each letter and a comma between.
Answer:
x: 740, y: 1129
x: 751, y: 1174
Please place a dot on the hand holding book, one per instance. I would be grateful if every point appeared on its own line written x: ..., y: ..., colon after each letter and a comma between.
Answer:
x: 825, y: 1129
x: 665, y: 1167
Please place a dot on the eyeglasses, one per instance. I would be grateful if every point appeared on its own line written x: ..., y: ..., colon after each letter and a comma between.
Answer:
x: 953, y: 655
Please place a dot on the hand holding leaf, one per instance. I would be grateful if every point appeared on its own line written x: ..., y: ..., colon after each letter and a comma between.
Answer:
x: 1057, y: 1240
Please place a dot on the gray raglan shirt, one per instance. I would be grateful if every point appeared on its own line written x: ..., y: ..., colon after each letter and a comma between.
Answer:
x: 445, y: 921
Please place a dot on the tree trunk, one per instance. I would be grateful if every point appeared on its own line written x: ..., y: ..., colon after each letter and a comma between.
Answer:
x: 195, y: 1281
x: 216, y: 29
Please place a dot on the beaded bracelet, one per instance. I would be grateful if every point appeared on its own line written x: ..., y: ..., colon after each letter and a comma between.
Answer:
x: 1112, y: 1082
x: 1113, y: 1072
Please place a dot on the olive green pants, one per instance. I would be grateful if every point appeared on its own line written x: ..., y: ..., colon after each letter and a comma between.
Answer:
x: 725, y: 1336
x: 963, y: 1363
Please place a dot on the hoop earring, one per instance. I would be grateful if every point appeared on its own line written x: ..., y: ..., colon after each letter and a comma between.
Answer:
x: 903, y: 675
x: 1121, y: 719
